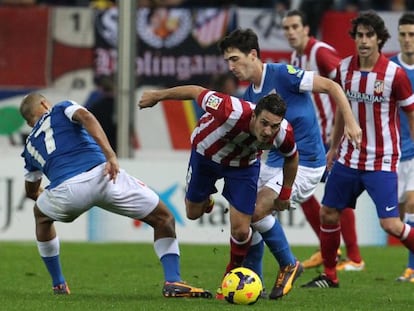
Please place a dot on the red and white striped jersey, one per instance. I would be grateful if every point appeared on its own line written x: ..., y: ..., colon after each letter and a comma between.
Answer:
x: 375, y: 97
x: 323, y: 59
x: 223, y: 132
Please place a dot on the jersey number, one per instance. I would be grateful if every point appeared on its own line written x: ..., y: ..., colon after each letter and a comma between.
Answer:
x: 49, y: 141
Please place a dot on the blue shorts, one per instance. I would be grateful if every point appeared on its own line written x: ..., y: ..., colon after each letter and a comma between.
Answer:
x: 240, y: 183
x: 344, y: 185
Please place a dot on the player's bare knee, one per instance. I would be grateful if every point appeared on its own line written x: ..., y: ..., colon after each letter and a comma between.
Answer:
x: 36, y: 212
x: 166, y: 217
x: 163, y: 224
x: 260, y: 212
x: 392, y: 226
x: 40, y: 218
x: 169, y: 223
x: 193, y: 210
x: 409, y: 207
x: 160, y: 217
x: 193, y: 215
x: 329, y: 216
x: 241, y: 233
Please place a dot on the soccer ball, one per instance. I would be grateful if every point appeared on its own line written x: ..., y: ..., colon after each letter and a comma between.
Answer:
x: 241, y: 286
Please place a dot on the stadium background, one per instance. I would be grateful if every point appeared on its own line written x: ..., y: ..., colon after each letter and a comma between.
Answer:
x: 59, y: 50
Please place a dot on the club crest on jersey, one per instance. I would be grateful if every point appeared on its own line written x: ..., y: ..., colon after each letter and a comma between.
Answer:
x: 213, y: 102
x: 379, y: 86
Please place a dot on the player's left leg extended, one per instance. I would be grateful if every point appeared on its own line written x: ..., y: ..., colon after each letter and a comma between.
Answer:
x: 49, y: 246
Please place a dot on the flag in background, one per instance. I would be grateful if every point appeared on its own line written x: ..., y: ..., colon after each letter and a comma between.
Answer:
x: 210, y: 25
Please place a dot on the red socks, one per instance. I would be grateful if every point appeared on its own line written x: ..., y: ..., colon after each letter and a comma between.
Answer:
x: 330, y: 237
x: 349, y: 235
x: 407, y: 237
x: 311, y: 209
x: 238, y: 251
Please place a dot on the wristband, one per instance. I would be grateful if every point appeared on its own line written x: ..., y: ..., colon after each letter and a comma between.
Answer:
x: 285, y: 193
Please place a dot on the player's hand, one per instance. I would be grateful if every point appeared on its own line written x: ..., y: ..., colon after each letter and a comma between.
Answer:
x: 330, y: 158
x: 112, y: 168
x: 281, y: 205
x: 148, y: 99
x: 354, y: 134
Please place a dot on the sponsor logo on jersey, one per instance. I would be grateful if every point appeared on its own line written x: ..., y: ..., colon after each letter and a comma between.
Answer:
x: 213, y: 102
x: 294, y: 71
x: 368, y: 98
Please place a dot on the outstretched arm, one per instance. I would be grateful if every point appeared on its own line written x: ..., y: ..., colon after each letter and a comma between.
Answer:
x: 152, y: 97
x: 351, y: 128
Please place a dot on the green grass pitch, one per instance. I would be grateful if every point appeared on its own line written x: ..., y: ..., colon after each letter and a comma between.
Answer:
x: 127, y: 276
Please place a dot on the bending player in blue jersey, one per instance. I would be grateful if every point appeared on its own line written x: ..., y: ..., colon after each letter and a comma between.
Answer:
x: 67, y: 145
x: 406, y: 168
x: 241, y: 51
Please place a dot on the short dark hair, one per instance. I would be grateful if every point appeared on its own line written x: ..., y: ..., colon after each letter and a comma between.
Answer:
x: 373, y: 20
x: 243, y: 39
x: 272, y: 103
x: 299, y: 13
x: 406, y: 19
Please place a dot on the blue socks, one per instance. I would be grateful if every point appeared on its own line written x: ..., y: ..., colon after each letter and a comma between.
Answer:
x: 254, y: 257
x: 54, y: 268
x: 168, y: 252
x: 49, y: 251
x: 275, y: 238
x: 171, y: 264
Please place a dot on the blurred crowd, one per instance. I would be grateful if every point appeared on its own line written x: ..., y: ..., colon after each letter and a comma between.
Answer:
x: 342, y: 5
x: 313, y: 9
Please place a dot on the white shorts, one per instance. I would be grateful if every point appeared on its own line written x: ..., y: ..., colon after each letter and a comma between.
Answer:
x: 405, y: 179
x: 306, y: 181
x: 128, y: 196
